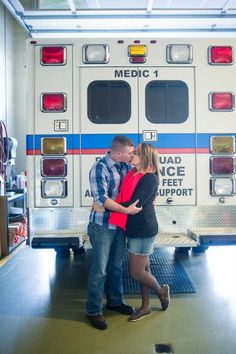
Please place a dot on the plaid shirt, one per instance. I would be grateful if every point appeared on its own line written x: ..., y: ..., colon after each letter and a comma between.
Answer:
x: 105, y: 177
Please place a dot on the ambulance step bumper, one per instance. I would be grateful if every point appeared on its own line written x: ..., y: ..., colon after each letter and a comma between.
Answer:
x: 214, y: 235
x: 175, y: 240
x: 52, y: 241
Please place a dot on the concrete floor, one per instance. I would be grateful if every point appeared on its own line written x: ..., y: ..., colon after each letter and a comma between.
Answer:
x: 42, y: 309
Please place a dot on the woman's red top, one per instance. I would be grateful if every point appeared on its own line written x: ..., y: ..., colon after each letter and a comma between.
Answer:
x: 127, y: 189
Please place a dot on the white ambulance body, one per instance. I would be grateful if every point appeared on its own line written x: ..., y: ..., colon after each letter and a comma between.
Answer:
x: 176, y: 93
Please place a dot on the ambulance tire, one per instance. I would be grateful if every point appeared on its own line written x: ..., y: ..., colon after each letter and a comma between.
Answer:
x: 200, y: 249
x: 78, y: 250
x: 182, y: 250
x: 62, y: 251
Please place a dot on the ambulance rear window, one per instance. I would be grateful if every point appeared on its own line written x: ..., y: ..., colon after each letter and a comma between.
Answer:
x: 109, y: 102
x: 167, y: 102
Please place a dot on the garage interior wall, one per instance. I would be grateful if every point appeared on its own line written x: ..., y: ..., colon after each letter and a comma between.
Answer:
x: 13, y: 82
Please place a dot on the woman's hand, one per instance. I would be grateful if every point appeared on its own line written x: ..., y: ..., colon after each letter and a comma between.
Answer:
x: 155, y: 202
x: 132, y: 209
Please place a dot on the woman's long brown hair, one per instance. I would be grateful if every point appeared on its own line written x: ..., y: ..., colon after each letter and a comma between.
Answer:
x: 149, y: 158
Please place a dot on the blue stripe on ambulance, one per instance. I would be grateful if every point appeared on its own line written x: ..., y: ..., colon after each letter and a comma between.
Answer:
x: 103, y: 141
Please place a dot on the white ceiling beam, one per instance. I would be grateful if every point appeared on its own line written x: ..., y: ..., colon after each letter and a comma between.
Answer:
x: 196, y: 13
x: 145, y: 24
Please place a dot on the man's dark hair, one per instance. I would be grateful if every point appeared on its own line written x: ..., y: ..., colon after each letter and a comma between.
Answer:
x: 120, y: 141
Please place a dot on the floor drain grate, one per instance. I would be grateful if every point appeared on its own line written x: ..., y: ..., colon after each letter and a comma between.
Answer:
x: 164, y: 348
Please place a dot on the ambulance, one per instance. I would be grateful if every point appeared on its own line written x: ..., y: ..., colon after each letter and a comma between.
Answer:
x: 175, y: 93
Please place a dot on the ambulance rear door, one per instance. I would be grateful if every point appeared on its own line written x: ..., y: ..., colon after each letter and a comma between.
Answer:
x: 109, y: 107
x: 167, y: 119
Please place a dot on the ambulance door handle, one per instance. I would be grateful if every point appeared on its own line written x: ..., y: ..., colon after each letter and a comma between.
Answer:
x: 169, y: 200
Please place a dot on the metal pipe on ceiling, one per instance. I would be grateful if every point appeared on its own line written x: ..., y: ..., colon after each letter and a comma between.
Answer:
x: 72, y: 6
x: 149, y: 7
x: 226, y: 6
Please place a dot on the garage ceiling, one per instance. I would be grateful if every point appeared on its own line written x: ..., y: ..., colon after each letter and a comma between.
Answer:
x: 47, y: 17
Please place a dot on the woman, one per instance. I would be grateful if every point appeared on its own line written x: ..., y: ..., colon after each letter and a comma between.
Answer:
x: 141, y: 184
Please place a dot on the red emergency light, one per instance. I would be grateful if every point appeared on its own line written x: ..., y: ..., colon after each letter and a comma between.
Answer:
x: 53, y: 102
x: 53, y: 56
x: 221, y: 101
x: 222, y: 165
x: 220, y: 55
x: 53, y: 167
x: 139, y: 60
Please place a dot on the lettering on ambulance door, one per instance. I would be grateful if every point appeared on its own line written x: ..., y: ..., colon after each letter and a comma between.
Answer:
x: 167, y: 120
x: 108, y: 107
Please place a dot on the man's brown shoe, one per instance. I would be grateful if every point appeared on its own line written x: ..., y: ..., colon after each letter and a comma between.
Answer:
x: 98, y: 321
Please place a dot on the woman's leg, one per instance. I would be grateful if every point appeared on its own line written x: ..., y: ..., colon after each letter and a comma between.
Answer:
x: 145, y: 290
x: 145, y: 308
x: 140, y: 271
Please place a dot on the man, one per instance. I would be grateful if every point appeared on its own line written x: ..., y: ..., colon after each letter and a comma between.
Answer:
x: 108, y: 242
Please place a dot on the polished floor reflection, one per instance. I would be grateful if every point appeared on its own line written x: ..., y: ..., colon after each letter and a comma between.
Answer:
x: 43, y: 297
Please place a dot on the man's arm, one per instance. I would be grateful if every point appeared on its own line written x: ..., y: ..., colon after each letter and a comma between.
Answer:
x: 98, y: 184
x: 113, y: 206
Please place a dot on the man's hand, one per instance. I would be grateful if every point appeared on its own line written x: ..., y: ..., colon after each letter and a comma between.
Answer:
x: 98, y: 208
x: 133, y: 209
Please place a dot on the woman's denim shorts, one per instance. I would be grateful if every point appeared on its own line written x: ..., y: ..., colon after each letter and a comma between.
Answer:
x: 141, y: 246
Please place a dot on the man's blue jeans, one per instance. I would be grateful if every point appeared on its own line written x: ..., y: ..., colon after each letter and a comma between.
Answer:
x: 108, y: 247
